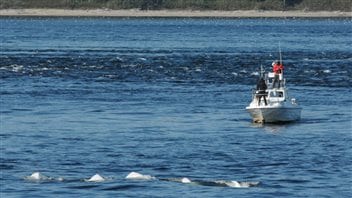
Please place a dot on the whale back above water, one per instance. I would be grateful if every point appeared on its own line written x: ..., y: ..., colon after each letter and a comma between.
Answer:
x: 96, y: 178
x: 237, y: 184
x: 138, y: 176
x: 37, y: 176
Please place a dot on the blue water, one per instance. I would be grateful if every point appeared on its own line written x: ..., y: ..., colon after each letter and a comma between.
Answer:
x: 166, y: 97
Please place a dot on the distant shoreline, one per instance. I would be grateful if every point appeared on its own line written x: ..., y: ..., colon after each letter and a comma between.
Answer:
x: 171, y: 13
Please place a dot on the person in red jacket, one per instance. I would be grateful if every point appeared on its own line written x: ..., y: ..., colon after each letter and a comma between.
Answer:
x: 278, y: 68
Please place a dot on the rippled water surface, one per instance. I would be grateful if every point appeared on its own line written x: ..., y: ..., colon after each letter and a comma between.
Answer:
x: 166, y: 98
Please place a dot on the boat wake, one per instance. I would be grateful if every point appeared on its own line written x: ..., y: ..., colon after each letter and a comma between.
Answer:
x: 39, y: 177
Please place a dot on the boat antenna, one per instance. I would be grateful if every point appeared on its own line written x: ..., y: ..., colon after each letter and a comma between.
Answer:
x: 280, y: 52
x: 282, y: 71
x: 262, y: 71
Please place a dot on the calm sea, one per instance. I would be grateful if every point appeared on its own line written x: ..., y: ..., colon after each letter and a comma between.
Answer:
x: 167, y: 98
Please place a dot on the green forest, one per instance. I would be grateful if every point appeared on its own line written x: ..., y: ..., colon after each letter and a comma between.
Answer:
x: 307, y: 5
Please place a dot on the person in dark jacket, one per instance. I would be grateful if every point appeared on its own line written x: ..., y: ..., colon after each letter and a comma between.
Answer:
x: 261, y: 91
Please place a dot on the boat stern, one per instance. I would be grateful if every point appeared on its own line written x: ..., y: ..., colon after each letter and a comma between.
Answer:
x: 272, y: 115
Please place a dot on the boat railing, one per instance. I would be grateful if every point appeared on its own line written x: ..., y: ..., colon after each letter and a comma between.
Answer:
x: 255, y: 93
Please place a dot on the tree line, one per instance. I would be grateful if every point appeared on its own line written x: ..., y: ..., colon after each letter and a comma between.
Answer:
x: 308, y: 5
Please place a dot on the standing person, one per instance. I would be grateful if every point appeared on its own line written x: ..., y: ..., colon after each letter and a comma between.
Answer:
x: 261, y: 90
x: 277, y: 69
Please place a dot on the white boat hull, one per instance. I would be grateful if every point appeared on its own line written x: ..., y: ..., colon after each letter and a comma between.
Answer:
x: 274, y: 114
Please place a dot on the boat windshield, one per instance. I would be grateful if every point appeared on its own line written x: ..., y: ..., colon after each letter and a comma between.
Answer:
x: 278, y: 94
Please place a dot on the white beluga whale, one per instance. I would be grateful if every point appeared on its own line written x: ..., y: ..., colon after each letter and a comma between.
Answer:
x: 138, y: 176
x: 219, y: 183
x: 37, y: 176
x: 185, y: 180
x: 60, y: 179
x: 96, y: 178
x: 236, y: 184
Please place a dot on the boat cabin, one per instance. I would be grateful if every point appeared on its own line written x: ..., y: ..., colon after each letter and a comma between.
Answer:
x: 276, y: 95
x: 276, y: 91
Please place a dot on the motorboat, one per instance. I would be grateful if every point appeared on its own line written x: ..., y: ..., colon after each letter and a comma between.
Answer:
x: 278, y: 107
